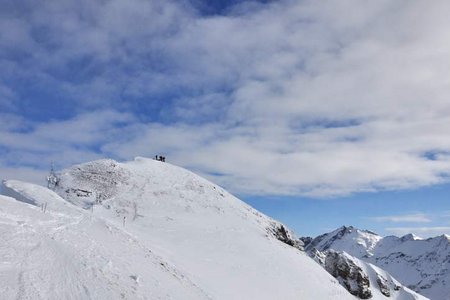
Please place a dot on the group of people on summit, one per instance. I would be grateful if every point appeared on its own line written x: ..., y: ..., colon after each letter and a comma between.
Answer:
x: 160, y: 158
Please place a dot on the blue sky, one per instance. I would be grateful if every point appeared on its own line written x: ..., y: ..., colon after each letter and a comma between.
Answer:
x: 424, y: 211
x: 331, y: 113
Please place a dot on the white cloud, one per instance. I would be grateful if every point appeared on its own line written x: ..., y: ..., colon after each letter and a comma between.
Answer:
x: 285, y: 98
x: 65, y: 142
x: 410, y: 218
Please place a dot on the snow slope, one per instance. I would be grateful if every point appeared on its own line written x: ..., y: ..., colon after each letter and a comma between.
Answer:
x: 150, y: 230
x: 421, y: 264
x: 74, y: 256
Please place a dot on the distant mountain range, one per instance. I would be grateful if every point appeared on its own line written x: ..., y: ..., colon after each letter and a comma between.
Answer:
x: 422, y: 265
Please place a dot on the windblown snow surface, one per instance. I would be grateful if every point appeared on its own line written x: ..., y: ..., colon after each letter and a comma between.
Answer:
x: 146, y: 230
x: 420, y: 264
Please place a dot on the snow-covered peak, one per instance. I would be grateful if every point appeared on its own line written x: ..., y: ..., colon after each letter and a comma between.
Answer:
x: 145, y: 187
x: 443, y: 237
x: 410, y: 237
x: 349, y: 239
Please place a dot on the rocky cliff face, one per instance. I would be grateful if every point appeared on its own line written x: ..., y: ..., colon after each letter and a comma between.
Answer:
x: 348, y: 273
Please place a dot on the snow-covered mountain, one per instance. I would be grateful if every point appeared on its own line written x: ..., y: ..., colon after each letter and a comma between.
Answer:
x: 147, y: 230
x: 150, y: 230
x: 421, y: 264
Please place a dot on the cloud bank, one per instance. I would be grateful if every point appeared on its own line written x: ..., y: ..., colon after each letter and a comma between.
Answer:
x: 279, y: 98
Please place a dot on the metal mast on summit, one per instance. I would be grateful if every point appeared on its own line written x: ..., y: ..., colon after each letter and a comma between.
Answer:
x: 52, y: 178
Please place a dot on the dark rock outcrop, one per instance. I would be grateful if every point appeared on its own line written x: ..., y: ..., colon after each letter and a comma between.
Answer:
x: 306, y: 240
x: 351, y: 276
x: 286, y: 236
x: 383, y: 285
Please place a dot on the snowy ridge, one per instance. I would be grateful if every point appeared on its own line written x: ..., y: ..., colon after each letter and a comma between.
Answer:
x: 36, y: 195
x: 423, y: 265
x: 150, y: 231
